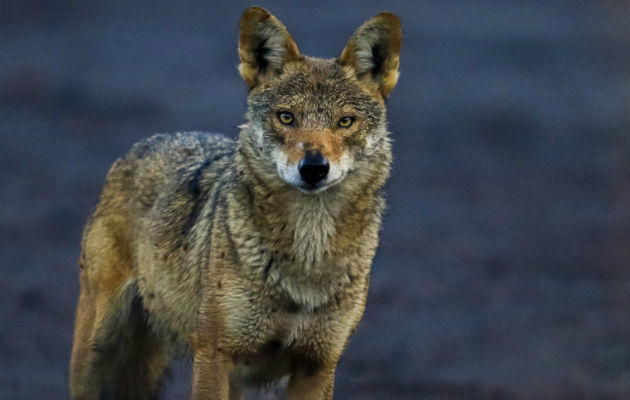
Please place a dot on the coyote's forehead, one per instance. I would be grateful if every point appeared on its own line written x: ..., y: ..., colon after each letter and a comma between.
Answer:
x: 317, y: 92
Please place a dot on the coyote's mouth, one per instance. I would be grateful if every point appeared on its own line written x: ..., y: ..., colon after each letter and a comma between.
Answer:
x: 318, y: 187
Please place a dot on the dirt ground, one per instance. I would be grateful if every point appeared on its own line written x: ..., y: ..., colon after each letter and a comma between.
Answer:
x: 504, y: 265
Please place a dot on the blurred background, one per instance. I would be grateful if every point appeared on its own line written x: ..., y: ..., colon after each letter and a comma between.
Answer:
x: 504, y: 265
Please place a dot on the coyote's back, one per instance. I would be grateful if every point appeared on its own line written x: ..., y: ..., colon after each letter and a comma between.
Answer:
x: 251, y: 256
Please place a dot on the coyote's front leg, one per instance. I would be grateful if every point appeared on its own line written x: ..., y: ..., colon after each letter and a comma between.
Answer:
x: 309, y: 385
x: 211, y: 374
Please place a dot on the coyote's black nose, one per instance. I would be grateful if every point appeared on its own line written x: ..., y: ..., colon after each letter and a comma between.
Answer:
x: 313, y: 168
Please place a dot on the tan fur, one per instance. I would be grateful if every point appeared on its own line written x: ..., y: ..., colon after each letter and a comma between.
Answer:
x: 199, y: 246
x: 328, y: 142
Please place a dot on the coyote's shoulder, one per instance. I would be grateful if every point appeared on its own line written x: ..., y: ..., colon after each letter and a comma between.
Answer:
x: 157, y: 204
x: 253, y: 255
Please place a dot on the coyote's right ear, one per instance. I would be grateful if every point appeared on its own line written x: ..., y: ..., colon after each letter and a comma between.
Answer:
x: 264, y: 46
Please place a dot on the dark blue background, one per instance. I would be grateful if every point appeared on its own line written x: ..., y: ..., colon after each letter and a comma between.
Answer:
x: 504, y: 265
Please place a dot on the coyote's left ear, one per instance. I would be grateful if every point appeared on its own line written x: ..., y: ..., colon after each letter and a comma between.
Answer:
x: 374, y: 52
x: 264, y: 46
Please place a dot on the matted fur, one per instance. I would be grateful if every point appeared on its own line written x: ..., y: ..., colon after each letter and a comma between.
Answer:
x: 205, y: 246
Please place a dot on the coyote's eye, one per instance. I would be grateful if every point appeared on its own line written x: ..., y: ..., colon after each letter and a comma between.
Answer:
x: 285, y: 117
x: 345, y: 122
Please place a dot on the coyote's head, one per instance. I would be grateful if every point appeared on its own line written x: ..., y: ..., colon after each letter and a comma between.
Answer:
x: 313, y: 122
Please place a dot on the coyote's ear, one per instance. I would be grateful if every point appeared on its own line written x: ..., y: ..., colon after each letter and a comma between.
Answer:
x: 264, y: 46
x: 374, y: 52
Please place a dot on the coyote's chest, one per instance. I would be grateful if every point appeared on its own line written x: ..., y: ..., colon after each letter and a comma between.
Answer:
x: 307, y: 270
x: 293, y: 254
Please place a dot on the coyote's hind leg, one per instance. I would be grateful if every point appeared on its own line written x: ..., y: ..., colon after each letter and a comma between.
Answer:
x: 115, y: 349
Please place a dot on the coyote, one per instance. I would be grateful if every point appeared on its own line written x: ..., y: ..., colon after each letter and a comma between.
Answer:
x: 251, y: 256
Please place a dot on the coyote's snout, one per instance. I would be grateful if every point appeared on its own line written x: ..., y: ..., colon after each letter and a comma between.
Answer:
x: 313, y: 161
x: 252, y: 256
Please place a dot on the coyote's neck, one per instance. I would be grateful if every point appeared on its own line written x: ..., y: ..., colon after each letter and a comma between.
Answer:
x: 292, y: 225
x: 314, y: 226
x: 311, y: 245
